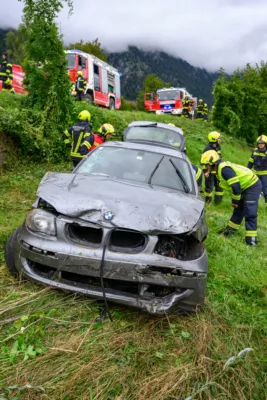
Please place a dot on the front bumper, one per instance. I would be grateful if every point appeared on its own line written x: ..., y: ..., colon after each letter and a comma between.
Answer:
x: 62, y: 264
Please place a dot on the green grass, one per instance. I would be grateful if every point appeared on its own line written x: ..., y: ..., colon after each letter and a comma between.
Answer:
x: 49, y: 340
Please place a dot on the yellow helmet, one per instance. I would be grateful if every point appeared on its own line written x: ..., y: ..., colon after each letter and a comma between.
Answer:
x: 106, y: 129
x: 262, y: 139
x: 210, y: 157
x: 213, y: 137
x: 200, y: 100
x: 171, y: 124
x: 80, y: 73
x: 84, y: 115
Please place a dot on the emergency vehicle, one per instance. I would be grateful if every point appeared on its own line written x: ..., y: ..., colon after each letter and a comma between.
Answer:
x: 103, y: 81
x: 167, y: 101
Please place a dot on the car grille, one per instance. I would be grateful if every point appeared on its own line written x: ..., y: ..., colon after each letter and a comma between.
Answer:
x: 84, y: 235
x: 121, y: 240
x: 126, y: 241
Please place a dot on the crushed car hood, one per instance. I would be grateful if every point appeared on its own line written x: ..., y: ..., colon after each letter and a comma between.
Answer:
x: 134, y: 206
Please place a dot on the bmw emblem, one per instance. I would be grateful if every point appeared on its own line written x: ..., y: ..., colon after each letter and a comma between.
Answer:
x: 108, y: 215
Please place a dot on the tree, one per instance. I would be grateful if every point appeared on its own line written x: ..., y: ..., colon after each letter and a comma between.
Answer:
x: 240, y: 106
x: 151, y: 84
x: 15, y: 43
x: 49, y: 86
x: 93, y: 48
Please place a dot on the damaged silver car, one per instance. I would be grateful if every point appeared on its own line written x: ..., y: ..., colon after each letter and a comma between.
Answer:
x: 127, y: 224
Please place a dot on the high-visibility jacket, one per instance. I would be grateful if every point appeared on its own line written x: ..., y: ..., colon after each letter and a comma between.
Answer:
x: 80, y: 139
x: 186, y: 104
x: 217, y: 148
x: 80, y: 84
x: 6, y: 69
x: 98, y: 140
x: 258, y: 162
x: 244, y: 176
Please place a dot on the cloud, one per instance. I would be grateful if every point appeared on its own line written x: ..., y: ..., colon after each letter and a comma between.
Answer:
x: 209, y: 34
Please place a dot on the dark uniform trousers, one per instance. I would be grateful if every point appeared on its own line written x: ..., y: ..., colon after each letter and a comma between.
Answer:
x: 211, y: 182
x: 248, y: 208
x: 263, y: 179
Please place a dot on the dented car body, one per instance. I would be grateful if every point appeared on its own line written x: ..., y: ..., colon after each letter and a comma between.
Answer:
x: 131, y: 208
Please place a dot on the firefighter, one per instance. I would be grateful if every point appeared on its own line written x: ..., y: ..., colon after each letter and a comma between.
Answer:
x: 210, y: 179
x: 80, y: 86
x: 6, y: 74
x: 205, y: 112
x: 191, y: 108
x: 258, y: 163
x: 186, y: 106
x: 246, y: 188
x: 104, y: 133
x: 199, y: 109
x: 79, y: 137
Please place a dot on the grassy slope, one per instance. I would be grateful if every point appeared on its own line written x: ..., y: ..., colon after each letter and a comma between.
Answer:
x: 137, y: 356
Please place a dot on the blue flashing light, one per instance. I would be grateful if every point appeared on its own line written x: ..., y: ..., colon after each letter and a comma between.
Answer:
x: 76, y: 51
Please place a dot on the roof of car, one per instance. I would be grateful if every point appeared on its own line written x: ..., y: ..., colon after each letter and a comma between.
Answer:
x: 156, y: 124
x: 129, y: 136
x: 147, y: 147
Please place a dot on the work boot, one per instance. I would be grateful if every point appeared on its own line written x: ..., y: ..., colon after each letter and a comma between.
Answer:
x: 251, y: 241
x: 228, y: 231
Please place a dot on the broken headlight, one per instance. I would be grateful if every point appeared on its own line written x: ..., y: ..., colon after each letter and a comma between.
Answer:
x: 41, y: 221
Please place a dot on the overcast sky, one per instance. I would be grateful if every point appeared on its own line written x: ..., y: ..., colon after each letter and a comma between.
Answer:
x: 207, y: 33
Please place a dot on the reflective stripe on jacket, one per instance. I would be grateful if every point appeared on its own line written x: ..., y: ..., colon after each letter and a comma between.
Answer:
x: 244, y: 176
x: 258, y: 162
x: 79, y: 138
x: 6, y: 69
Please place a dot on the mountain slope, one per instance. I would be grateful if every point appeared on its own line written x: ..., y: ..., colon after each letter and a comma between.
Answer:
x: 135, y: 64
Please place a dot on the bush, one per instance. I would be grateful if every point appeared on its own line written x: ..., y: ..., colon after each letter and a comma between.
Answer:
x: 241, y: 103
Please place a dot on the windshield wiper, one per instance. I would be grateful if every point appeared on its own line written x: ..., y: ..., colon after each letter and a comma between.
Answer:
x: 154, y: 170
x: 186, y: 188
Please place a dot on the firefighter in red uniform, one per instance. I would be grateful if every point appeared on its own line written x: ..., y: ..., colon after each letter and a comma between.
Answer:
x: 104, y: 133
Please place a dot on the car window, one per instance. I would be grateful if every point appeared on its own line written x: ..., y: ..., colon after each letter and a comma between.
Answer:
x: 154, y: 134
x: 138, y: 166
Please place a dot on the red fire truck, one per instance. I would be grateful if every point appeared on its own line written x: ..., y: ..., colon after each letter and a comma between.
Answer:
x: 168, y: 101
x: 103, y: 81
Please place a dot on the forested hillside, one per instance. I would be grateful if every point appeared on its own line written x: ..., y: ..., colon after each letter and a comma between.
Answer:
x: 136, y: 64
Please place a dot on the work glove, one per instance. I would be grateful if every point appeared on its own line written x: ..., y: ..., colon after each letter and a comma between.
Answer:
x: 83, y: 150
x: 235, y: 203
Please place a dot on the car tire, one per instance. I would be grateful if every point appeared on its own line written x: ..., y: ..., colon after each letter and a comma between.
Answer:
x: 88, y: 98
x: 9, y: 254
x: 111, y: 104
